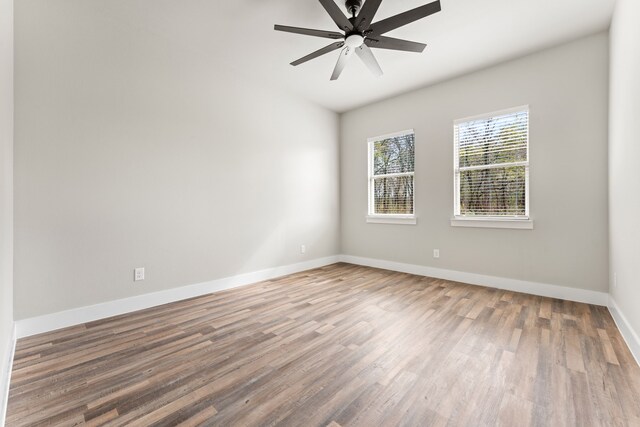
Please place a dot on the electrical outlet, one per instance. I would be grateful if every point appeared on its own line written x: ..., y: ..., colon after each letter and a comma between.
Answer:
x: 303, y: 249
x: 138, y: 274
x: 436, y: 253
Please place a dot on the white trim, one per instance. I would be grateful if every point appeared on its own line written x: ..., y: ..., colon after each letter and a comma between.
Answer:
x: 392, y: 219
x: 483, y: 116
x: 5, y: 377
x: 484, y: 222
x: 630, y: 336
x: 390, y: 135
x: 534, y: 288
x: 76, y: 316
x: 492, y: 166
x: 393, y: 175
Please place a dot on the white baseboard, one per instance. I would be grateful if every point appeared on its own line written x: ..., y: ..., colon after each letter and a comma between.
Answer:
x: 541, y: 289
x: 5, y: 376
x: 630, y: 336
x: 76, y: 316
x: 50, y: 322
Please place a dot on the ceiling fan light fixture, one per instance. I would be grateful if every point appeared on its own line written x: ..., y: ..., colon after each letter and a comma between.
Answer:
x: 354, y: 40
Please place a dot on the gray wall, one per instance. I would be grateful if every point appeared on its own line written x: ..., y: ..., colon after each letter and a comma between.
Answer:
x: 567, y: 90
x: 134, y: 152
x: 6, y: 189
x: 624, y: 154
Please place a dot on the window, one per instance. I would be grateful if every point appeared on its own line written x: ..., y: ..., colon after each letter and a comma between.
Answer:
x: 391, y: 169
x: 491, y: 170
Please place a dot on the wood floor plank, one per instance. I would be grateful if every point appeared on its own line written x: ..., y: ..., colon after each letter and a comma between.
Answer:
x: 338, y: 346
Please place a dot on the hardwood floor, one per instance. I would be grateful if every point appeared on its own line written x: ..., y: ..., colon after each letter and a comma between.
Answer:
x: 341, y: 345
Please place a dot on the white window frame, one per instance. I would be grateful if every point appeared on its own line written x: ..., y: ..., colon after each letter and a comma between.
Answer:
x: 485, y: 221
x: 373, y: 217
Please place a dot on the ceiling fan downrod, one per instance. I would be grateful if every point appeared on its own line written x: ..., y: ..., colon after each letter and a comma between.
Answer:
x: 353, y: 6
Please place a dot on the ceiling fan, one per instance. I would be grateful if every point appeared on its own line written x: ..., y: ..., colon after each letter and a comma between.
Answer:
x: 361, y: 34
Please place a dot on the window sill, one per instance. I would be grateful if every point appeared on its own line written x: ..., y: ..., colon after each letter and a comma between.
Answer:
x: 520, y: 224
x: 392, y: 219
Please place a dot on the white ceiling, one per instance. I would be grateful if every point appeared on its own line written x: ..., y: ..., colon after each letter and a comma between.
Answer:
x: 465, y: 35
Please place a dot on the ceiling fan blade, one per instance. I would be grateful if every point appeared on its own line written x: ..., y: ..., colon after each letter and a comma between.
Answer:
x: 345, y: 55
x: 369, y: 60
x: 368, y: 11
x: 319, y: 52
x: 382, y: 42
x: 405, y: 18
x: 336, y: 14
x: 309, y: 32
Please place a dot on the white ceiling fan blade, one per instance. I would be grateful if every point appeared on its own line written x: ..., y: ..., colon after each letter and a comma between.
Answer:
x: 369, y: 60
x: 345, y: 55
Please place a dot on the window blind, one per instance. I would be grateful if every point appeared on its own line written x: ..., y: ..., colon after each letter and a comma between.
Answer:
x: 392, y: 165
x: 491, y: 156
